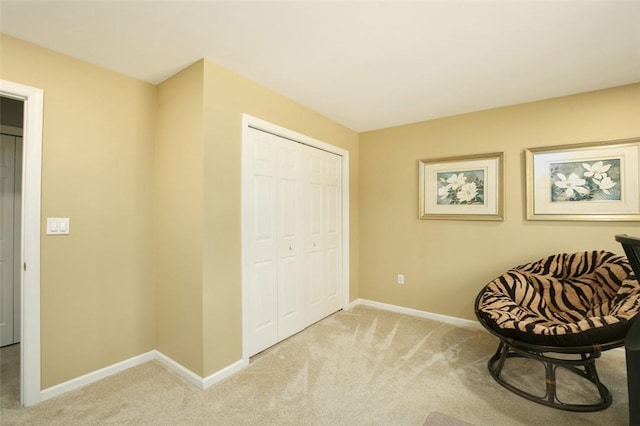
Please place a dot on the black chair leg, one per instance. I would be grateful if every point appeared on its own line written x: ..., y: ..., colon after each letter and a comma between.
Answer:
x: 632, y: 351
x: 584, y: 367
x: 550, y: 381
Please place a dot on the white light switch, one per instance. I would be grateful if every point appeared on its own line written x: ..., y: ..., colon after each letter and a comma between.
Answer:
x: 57, y: 226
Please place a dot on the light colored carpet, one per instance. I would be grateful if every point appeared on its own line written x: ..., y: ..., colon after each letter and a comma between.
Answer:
x: 435, y: 418
x: 359, y: 367
x: 9, y: 378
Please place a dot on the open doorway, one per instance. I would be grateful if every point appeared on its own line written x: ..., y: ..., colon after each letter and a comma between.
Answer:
x: 32, y: 101
x: 11, y: 132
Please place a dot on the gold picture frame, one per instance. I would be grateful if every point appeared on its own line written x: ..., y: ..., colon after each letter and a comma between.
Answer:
x: 462, y: 188
x: 594, y: 181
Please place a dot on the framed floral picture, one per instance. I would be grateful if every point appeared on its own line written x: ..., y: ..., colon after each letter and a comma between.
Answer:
x: 590, y: 181
x: 461, y: 188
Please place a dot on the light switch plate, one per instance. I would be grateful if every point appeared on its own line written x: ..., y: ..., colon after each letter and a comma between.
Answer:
x: 57, y: 226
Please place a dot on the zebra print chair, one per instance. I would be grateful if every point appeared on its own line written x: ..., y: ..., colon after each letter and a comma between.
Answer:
x: 563, y: 311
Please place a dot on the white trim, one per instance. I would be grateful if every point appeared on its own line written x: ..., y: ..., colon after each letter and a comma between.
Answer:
x: 236, y: 367
x: 461, y: 322
x: 196, y: 380
x: 30, y: 279
x: 180, y: 370
x: 154, y: 355
x: 244, y: 226
x: 354, y: 304
x: 94, y: 376
x: 11, y: 130
x: 250, y: 121
x: 617, y: 352
x: 346, y: 296
x: 225, y: 373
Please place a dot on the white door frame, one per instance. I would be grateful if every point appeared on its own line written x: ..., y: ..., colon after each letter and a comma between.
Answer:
x: 256, y: 123
x: 30, y: 237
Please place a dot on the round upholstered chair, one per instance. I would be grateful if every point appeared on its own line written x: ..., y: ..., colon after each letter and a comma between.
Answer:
x: 563, y: 311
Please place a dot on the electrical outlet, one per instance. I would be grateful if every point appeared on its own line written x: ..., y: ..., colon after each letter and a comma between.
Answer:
x: 400, y: 279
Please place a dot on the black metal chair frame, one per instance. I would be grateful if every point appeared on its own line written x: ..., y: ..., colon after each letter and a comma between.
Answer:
x: 631, y: 246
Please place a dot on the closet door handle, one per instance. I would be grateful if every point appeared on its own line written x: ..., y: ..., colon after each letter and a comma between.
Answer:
x: 290, y: 247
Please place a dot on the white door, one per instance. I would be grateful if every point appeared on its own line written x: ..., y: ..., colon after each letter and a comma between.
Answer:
x: 333, y: 233
x: 17, y: 242
x: 315, y: 233
x: 294, y: 256
x: 275, y: 214
x: 9, y: 239
x: 289, y: 230
x: 324, y: 232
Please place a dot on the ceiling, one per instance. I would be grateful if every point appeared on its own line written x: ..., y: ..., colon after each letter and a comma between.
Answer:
x: 365, y: 64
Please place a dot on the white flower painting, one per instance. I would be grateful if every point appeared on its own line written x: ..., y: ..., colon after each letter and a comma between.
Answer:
x: 461, y: 187
x: 466, y: 187
x: 585, y: 181
x: 590, y: 181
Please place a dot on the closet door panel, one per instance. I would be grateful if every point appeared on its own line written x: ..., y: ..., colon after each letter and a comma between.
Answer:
x: 263, y: 298
x: 332, y: 233
x: 263, y: 320
x: 291, y: 261
x: 315, y: 232
x: 332, y: 274
x: 315, y: 253
x: 316, y: 290
x: 288, y: 295
x: 295, y: 217
x: 7, y: 208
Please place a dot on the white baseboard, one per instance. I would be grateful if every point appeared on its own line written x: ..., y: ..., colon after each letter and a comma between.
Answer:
x: 230, y: 370
x: 179, y: 369
x: 461, y: 322
x: 94, y: 376
x: 225, y: 373
x: 196, y: 380
x: 204, y: 383
x: 617, y: 352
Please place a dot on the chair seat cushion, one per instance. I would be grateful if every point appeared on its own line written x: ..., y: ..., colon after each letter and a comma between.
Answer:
x: 579, y: 299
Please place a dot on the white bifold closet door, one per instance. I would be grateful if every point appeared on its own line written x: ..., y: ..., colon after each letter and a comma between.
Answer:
x: 10, y: 258
x: 294, y: 232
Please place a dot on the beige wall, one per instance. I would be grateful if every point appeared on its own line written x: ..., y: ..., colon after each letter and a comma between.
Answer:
x: 178, y: 216
x: 97, y: 304
x: 197, y: 208
x: 226, y: 97
x: 150, y: 177
x: 447, y: 262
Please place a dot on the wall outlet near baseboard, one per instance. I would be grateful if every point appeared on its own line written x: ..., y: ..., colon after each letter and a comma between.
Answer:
x: 400, y: 279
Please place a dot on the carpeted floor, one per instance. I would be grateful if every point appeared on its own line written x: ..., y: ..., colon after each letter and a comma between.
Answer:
x: 359, y: 367
x: 436, y: 418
